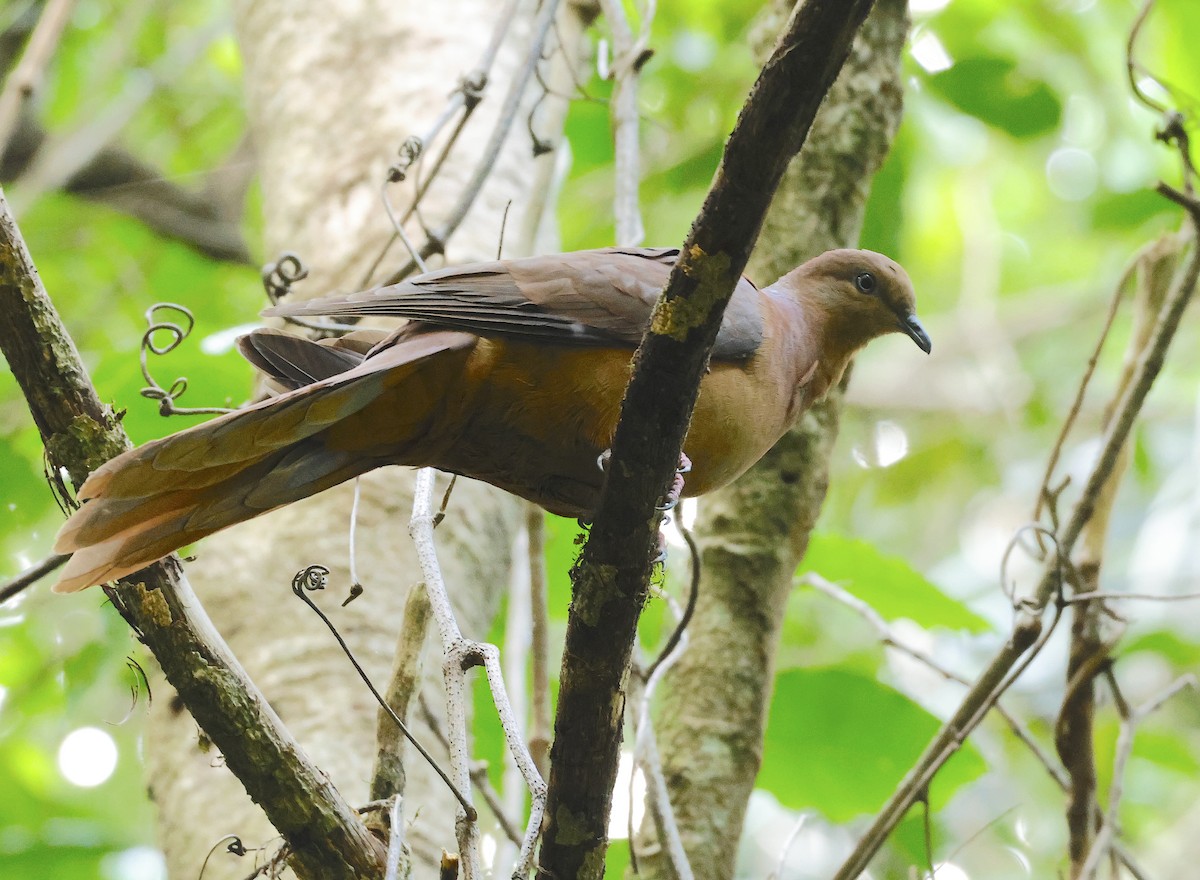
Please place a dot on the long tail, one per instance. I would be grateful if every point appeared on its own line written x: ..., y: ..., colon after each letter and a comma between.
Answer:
x: 152, y: 500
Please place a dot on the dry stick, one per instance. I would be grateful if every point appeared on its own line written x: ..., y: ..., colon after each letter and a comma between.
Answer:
x: 628, y: 58
x: 645, y: 746
x: 518, y: 638
x: 888, y: 637
x: 1126, y: 412
x: 539, y: 728
x: 31, y: 576
x: 436, y: 241
x: 326, y: 837
x: 26, y: 78
x: 396, y: 847
x: 63, y: 156
x: 387, y: 777
x: 459, y: 655
x: 1089, y: 652
x: 610, y: 579
x: 466, y: 97
x: 479, y: 776
x: 1129, y: 724
x: 1077, y: 404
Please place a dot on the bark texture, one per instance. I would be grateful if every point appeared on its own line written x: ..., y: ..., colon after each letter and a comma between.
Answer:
x: 331, y: 93
x: 611, y: 578
x: 753, y: 534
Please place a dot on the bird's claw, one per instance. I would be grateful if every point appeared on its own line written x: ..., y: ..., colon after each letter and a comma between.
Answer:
x: 676, y: 491
x: 660, y: 554
x: 602, y: 460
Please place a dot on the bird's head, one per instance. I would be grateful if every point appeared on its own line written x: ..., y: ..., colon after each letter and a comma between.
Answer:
x: 861, y: 294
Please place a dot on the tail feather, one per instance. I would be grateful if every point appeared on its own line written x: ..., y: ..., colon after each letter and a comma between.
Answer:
x: 149, y: 501
x: 120, y: 537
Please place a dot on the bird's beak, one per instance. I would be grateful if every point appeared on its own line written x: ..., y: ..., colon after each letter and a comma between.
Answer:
x: 915, y: 331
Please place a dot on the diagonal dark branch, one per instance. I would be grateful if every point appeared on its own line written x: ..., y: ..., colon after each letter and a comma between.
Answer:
x: 325, y: 836
x: 611, y: 576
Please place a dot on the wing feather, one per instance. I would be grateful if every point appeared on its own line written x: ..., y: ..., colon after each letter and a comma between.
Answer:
x: 598, y: 297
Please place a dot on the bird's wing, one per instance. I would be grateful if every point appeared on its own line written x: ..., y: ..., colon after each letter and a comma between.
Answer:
x: 597, y: 297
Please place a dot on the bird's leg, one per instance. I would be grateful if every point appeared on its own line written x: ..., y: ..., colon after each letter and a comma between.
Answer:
x: 676, y: 491
x: 670, y: 500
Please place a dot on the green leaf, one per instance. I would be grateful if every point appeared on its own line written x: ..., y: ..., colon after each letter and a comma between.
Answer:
x: 1182, y: 653
x: 840, y: 742
x: 1121, y: 211
x: 887, y: 583
x: 994, y: 91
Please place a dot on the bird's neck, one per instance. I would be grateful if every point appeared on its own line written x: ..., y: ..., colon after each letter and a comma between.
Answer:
x: 816, y: 335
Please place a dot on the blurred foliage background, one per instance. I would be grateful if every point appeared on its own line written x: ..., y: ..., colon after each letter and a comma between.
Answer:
x: 1017, y: 193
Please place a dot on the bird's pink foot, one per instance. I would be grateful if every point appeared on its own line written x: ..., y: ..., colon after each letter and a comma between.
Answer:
x: 676, y: 491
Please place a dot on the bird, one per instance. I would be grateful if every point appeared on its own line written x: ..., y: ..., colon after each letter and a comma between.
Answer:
x: 509, y: 371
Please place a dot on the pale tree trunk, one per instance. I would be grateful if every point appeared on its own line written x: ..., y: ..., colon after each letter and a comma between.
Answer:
x: 332, y: 90
x: 753, y: 534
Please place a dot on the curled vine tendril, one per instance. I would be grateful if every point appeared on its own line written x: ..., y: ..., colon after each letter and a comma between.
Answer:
x: 176, y: 332
x: 315, y: 577
x: 278, y: 278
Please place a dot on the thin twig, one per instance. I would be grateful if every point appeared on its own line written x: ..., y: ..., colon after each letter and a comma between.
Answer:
x: 539, y: 727
x: 387, y: 776
x: 689, y: 609
x: 1124, y: 749
x: 31, y: 576
x: 1077, y: 403
x: 1106, y: 595
x: 26, y: 78
x: 356, y: 587
x: 396, y: 845
x: 645, y: 750
x: 459, y: 654
x: 629, y: 56
x: 436, y: 242
x: 479, y: 776
x: 313, y: 578
x: 788, y: 842
x: 466, y: 97
x: 888, y: 637
x: 1131, y: 65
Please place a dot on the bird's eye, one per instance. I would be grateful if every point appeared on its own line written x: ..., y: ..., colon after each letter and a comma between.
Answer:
x: 865, y: 282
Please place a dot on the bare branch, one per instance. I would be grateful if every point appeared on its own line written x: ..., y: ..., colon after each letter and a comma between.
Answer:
x: 26, y: 78
x: 31, y: 576
x: 1105, y: 839
x: 387, y: 777
x: 888, y: 637
x: 629, y: 56
x: 326, y: 837
x: 436, y: 241
x: 610, y: 579
x: 459, y: 655
x: 117, y: 178
x: 539, y: 728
